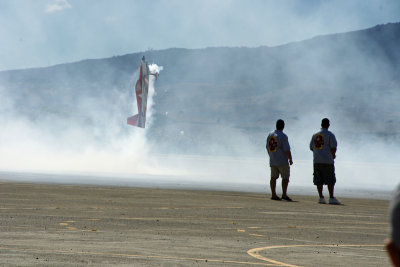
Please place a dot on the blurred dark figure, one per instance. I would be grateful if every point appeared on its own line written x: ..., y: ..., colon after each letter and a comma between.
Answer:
x: 393, y: 243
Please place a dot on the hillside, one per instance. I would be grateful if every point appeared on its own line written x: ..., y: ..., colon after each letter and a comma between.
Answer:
x: 209, y: 99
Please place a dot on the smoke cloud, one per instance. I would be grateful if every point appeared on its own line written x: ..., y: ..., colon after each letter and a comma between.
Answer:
x: 208, y: 117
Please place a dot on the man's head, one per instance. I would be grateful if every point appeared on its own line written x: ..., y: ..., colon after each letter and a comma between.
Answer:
x: 280, y: 124
x: 325, y: 123
x: 393, y: 244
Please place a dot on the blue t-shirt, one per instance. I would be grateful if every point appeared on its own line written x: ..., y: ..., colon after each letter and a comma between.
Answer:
x: 321, y: 144
x: 277, y: 145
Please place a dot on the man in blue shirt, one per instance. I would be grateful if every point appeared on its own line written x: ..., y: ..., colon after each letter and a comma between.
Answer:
x: 323, y: 145
x: 279, y: 159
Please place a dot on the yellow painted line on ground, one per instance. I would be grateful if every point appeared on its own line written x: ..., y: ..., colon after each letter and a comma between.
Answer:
x: 256, y: 235
x: 255, y: 252
x: 119, y: 255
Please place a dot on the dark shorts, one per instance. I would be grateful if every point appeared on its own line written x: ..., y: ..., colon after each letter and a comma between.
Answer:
x: 324, y: 174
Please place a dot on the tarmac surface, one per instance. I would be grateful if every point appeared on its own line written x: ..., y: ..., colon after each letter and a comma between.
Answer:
x: 67, y: 225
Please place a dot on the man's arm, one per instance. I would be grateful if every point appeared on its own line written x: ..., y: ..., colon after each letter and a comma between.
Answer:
x: 333, y: 145
x: 289, y: 155
x: 311, y: 143
x: 333, y: 151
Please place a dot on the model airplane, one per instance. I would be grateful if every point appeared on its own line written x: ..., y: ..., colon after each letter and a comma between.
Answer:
x: 142, y: 89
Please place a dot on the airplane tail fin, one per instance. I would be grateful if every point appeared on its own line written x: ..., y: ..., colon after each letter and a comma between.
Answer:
x: 133, y: 120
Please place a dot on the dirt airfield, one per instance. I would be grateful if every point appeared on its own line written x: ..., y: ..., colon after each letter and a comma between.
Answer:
x: 67, y: 225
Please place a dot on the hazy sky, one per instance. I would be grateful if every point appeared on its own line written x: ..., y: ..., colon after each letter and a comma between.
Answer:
x: 35, y: 33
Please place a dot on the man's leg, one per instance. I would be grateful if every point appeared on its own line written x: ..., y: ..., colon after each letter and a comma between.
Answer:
x: 332, y: 199
x: 321, y: 195
x: 320, y: 188
x: 331, y: 180
x: 285, y: 183
x: 285, y: 173
x: 331, y: 189
x: 317, y: 179
x: 272, y: 184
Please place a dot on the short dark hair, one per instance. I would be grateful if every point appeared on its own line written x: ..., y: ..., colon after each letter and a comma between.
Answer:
x: 280, y: 124
x: 325, y: 123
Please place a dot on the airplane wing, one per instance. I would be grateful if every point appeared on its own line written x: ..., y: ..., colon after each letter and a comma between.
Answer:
x: 142, y: 89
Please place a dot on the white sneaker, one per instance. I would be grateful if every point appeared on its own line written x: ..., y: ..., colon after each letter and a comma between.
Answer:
x: 334, y: 201
x: 321, y: 200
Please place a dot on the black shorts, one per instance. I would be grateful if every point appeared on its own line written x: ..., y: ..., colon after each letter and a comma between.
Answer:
x: 324, y: 174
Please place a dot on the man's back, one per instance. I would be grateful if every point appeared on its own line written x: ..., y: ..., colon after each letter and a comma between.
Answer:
x: 277, y: 145
x: 322, y: 144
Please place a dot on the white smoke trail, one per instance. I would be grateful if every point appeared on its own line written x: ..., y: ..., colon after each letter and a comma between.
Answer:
x: 155, y: 69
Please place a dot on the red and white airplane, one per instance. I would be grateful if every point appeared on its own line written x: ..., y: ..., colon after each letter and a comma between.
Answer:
x: 142, y: 89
